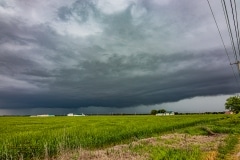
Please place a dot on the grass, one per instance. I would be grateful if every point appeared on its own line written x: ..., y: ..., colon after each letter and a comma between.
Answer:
x: 229, y: 145
x: 39, y: 137
x: 171, y: 154
x: 163, y: 149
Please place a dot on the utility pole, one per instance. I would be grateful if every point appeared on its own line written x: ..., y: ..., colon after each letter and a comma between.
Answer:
x: 237, y: 63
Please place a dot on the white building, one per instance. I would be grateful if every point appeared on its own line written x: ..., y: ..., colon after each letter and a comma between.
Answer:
x: 75, y: 115
x: 70, y: 114
x: 42, y: 115
x: 168, y: 113
x: 79, y: 115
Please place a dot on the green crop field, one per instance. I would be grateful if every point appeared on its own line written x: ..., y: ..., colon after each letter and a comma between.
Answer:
x: 41, y: 137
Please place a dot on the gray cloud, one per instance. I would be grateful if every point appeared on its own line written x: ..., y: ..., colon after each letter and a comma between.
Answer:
x: 129, y: 53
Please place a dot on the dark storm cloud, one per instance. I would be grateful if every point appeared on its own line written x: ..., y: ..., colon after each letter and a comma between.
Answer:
x: 106, y: 84
x: 109, y: 53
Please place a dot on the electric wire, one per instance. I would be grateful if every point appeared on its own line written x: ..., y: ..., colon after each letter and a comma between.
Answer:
x: 238, y: 37
x: 223, y: 43
x: 229, y: 28
x: 235, y: 27
x: 230, y: 32
x: 236, y: 30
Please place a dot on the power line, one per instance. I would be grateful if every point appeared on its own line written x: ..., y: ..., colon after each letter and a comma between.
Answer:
x: 235, y: 27
x: 237, y: 24
x: 229, y: 27
x: 223, y: 42
x: 230, y: 31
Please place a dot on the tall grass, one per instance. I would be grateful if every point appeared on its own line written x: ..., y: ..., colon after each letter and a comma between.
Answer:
x: 228, y: 146
x: 173, y: 154
x: 29, y: 137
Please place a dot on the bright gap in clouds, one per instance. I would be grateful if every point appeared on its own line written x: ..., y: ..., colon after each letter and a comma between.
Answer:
x: 193, y: 105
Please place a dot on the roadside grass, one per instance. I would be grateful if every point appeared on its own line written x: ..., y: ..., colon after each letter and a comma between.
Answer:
x: 172, y: 154
x: 227, y: 149
x: 180, y: 146
x: 235, y: 153
x: 228, y: 125
x: 160, y: 147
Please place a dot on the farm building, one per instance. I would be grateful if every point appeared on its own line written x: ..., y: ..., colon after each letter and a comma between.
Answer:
x: 228, y: 112
x: 42, y: 115
x: 70, y: 114
x: 168, y: 113
x: 79, y: 114
x: 75, y: 115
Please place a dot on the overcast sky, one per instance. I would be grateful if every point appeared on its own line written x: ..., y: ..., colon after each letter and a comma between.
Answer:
x: 103, y: 56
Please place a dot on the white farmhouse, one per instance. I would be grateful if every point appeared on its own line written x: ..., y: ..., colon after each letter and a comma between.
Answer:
x: 75, y: 115
x: 70, y: 114
x: 168, y: 113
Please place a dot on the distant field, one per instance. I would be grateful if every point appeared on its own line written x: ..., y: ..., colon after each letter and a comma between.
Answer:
x: 45, y: 137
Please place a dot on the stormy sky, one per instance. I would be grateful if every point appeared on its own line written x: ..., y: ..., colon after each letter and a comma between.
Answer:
x: 113, y: 56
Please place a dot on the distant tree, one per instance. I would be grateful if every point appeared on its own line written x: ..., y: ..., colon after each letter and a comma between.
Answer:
x: 233, y: 104
x: 162, y: 111
x: 153, y: 112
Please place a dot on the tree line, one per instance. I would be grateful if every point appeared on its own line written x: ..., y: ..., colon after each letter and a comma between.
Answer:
x: 154, y: 111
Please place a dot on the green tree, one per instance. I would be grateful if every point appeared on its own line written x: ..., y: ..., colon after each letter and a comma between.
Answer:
x: 153, y: 112
x: 162, y: 111
x: 233, y: 104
